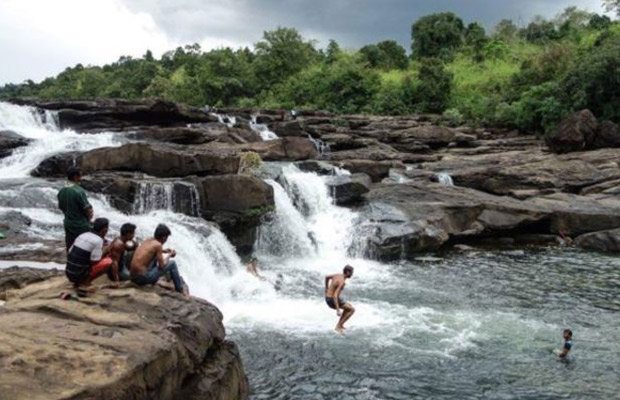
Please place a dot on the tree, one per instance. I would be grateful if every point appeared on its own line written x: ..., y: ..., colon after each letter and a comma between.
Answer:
x: 476, y: 39
x: 281, y: 54
x: 435, y: 86
x: 436, y: 35
x: 395, y: 56
x: 612, y: 5
x: 599, y: 22
x: 540, y: 31
x: 506, y: 31
x: 333, y: 51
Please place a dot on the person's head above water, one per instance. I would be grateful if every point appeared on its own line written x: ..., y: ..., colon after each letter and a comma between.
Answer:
x: 74, y: 174
x: 100, y: 226
x: 161, y: 233
x: 567, y: 334
x: 128, y: 231
x: 348, y: 271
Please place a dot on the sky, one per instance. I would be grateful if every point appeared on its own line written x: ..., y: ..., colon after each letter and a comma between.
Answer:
x: 40, y: 38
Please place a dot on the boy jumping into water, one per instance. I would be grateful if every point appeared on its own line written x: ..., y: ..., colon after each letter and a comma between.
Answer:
x: 333, y: 299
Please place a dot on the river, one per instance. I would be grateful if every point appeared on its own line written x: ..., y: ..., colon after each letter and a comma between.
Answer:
x: 453, y: 325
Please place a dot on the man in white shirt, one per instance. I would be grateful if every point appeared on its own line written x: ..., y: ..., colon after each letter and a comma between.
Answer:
x: 87, y: 258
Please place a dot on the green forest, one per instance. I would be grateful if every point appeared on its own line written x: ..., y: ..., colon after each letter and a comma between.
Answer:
x: 515, y: 77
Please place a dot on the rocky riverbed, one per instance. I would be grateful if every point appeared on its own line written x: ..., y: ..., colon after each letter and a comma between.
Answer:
x: 507, y: 187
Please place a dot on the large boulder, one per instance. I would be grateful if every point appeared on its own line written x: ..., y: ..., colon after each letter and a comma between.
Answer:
x: 377, y: 170
x: 575, y: 133
x: 153, y: 159
x: 119, y: 344
x: 9, y: 141
x: 236, y: 203
x: 607, y: 135
x: 349, y: 189
x: 432, y: 135
x: 288, y: 128
x: 604, y: 241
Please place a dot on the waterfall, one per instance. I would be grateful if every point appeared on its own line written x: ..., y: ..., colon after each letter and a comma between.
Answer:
x: 181, y: 197
x: 47, y: 139
x: 445, y: 179
x: 262, y: 130
x: 228, y: 120
x: 320, y: 145
x: 307, y: 221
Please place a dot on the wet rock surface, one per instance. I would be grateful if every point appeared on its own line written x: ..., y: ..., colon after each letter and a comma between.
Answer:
x: 504, y: 182
x: 10, y: 141
x: 128, y: 343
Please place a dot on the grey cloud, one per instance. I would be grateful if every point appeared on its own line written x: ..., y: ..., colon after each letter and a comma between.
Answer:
x: 351, y: 22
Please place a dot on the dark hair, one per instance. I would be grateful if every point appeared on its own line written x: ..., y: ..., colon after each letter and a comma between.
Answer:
x: 162, y: 231
x: 254, y: 259
x: 100, y: 224
x: 570, y: 333
x: 348, y: 269
x: 127, y: 228
x: 73, y: 172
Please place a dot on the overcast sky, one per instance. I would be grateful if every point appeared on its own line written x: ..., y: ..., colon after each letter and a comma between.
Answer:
x: 39, y: 38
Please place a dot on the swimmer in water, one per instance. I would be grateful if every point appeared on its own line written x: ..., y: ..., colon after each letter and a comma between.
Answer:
x: 568, y: 344
x: 334, y: 284
x: 252, y: 269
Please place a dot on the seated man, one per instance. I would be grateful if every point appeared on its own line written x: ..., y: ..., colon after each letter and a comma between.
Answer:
x: 121, y: 253
x: 252, y: 269
x: 87, y: 259
x: 151, y: 262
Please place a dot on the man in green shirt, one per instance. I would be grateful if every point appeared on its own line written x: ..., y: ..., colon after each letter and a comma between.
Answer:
x: 74, y: 204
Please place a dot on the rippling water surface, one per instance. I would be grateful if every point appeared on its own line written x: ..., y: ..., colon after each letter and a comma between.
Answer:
x: 477, y: 325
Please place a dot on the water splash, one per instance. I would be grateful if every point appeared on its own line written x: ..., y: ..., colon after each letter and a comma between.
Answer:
x: 47, y: 139
x: 263, y: 130
x: 445, y: 179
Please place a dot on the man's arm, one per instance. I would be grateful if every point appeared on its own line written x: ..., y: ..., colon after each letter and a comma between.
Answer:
x: 116, y: 251
x: 161, y: 259
x: 337, y: 298
x: 327, y: 279
x: 86, y: 206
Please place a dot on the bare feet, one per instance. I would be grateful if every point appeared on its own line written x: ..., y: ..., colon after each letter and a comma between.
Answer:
x: 165, y: 284
x: 339, y: 330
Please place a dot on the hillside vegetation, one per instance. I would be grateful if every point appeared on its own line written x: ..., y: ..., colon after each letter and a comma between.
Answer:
x: 526, y: 78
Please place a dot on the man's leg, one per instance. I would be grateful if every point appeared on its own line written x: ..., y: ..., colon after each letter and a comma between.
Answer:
x: 173, y: 270
x: 347, y: 313
x: 100, y: 268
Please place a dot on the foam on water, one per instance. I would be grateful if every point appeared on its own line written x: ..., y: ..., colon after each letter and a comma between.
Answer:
x: 263, y: 130
x: 47, y: 139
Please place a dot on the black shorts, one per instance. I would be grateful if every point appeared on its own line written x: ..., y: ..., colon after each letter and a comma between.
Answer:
x: 332, y: 304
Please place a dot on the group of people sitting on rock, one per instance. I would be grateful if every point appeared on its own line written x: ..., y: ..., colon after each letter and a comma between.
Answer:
x: 90, y: 255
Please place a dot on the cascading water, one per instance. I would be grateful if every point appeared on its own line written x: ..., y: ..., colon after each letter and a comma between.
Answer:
x: 228, y: 120
x: 47, y: 139
x: 445, y: 179
x: 321, y: 146
x: 262, y: 130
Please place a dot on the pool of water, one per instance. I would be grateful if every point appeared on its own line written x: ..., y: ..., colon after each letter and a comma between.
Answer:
x: 479, y: 325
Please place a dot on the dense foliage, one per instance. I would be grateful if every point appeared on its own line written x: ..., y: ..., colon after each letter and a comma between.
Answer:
x: 527, y: 78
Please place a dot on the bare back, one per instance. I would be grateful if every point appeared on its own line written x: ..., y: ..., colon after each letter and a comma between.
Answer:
x: 144, y: 256
x: 337, y: 282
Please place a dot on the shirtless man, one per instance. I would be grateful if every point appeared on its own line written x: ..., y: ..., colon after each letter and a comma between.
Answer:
x: 151, y: 261
x: 118, y: 252
x: 333, y: 299
x: 252, y: 269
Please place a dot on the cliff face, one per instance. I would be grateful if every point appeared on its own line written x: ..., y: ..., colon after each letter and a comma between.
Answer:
x: 128, y: 343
